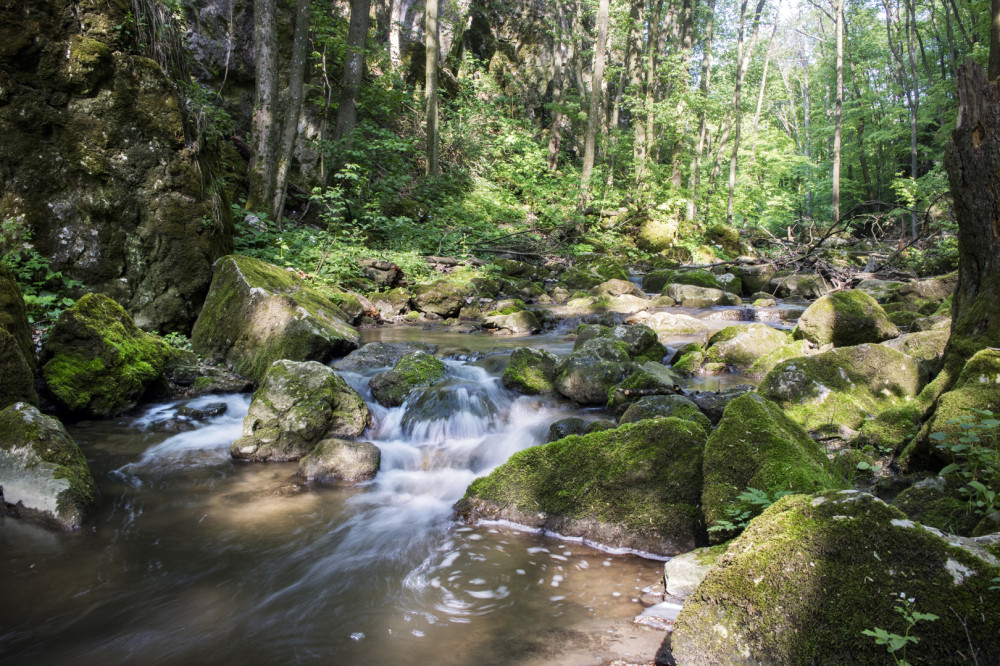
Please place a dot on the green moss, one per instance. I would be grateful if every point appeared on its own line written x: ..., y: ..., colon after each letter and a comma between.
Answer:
x: 903, y: 319
x: 845, y: 318
x: 508, y: 307
x: 698, y: 278
x: 13, y: 317
x: 690, y: 363
x: 810, y: 574
x: 938, y: 504
x: 891, y: 429
x: 97, y: 361
x: 662, y: 406
x: 757, y: 446
x: 636, y: 385
x: 766, y: 363
x: 530, y: 371
x: 410, y: 372
x: 644, y: 477
x: 655, y: 281
x: 741, y: 346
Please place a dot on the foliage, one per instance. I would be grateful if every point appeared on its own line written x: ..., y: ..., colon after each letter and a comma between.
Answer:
x: 748, y: 505
x: 894, y: 643
x: 46, y: 292
x: 975, y: 457
x: 178, y: 341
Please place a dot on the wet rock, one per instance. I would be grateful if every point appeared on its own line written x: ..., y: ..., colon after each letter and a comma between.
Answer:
x: 392, y: 303
x: 450, y: 409
x: 880, y: 290
x: 845, y: 318
x: 803, y: 285
x: 807, y: 577
x: 97, y: 362
x: 649, y: 379
x: 565, y: 427
x: 685, y: 572
x: 843, y: 386
x: 654, y: 281
x: 641, y: 342
x: 530, y: 371
x: 618, y: 288
x: 636, y: 486
x: 256, y: 314
x: 668, y: 323
x: 690, y: 296
x: 379, y: 355
x: 662, y: 406
x: 299, y: 404
x: 589, y: 372
x: 600, y: 425
x: 626, y: 304
x: 739, y: 347
x: 210, y: 410
x: 13, y: 317
x: 519, y: 323
x: 340, y: 460
x: 391, y: 388
x: 713, y: 403
x: 43, y: 474
x: 755, y: 278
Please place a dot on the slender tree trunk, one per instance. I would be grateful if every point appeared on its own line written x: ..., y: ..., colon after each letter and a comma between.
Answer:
x: 558, y: 85
x: 594, y: 117
x: 354, y: 69
x: 911, y: 30
x: 806, y: 111
x: 838, y: 115
x: 633, y: 68
x: 687, y: 23
x: 395, y: 19
x: 296, y: 92
x: 431, y: 90
x: 706, y: 75
x: 264, y: 136
x: 995, y: 41
x: 760, y: 95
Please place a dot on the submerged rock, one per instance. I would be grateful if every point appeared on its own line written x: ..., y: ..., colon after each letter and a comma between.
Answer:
x: 414, y: 370
x: 530, y: 371
x: 636, y: 486
x: 810, y: 574
x: 298, y: 405
x: 43, y: 473
x: 335, y: 460
x: 379, y: 355
x: 589, y: 372
x: 256, y: 314
x: 845, y: 318
x: 97, y: 362
x: 842, y: 386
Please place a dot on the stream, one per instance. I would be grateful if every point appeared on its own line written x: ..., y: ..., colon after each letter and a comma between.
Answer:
x: 193, y: 557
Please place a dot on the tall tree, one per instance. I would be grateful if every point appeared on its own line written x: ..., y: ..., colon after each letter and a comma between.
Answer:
x: 432, y: 42
x: 596, y: 83
x: 559, y: 82
x: 995, y: 40
x: 264, y: 135
x: 705, y: 80
x: 838, y: 114
x: 354, y: 69
x: 293, y: 106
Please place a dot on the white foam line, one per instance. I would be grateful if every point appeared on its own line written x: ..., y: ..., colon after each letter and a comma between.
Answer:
x: 517, y: 527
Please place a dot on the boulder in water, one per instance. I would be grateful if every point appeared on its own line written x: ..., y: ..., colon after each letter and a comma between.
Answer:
x: 43, y: 473
x: 530, y: 371
x: 662, y: 406
x: 691, y: 296
x: 636, y: 486
x: 256, y: 314
x: 299, y: 404
x: 335, y: 460
x: 649, y: 379
x: 445, y: 298
x: 739, y: 347
x: 524, y: 322
x: 379, y: 355
x: 566, y: 427
x: 618, y: 288
x: 641, y: 342
x: 589, y: 372
x: 411, y: 371
x: 97, y: 362
x: 845, y: 318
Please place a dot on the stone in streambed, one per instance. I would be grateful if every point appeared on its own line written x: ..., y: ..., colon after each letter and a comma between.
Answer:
x: 335, y: 460
x: 411, y: 371
x: 530, y: 371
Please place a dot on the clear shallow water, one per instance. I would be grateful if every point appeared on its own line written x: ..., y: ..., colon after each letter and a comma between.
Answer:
x: 194, y: 558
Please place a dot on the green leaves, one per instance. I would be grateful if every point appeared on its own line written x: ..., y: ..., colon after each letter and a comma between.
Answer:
x: 748, y: 504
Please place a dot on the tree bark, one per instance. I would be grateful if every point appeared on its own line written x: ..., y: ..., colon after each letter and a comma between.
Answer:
x: 559, y: 84
x: 354, y: 69
x: 995, y: 41
x: 838, y: 115
x: 594, y: 117
x: 706, y: 75
x: 264, y: 134
x: 432, y: 42
x: 296, y: 92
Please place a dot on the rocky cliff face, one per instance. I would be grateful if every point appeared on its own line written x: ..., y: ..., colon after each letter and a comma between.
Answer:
x: 95, y: 164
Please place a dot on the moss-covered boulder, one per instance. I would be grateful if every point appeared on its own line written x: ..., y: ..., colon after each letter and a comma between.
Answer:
x: 739, y: 347
x: 803, y: 285
x: 392, y: 303
x: 637, y: 486
x: 649, y: 379
x: 725, y: 238
x: 257, y: 313
x: 683, y: 574
x: 890, y: 430
x: 530, y: 371
x: 589, y: 372
x: 927, y: 347
x: 977, y: 387
x: 931, y: 290
x: 880, y: 290
x: 97, y: 362
x: 640, y: 341
x: 444, y: 298
x: 713, y: 403
x: 524, y: 322
x: 654, y: 281
x: 843, y: 386
x: 668, y: 323
x: 618, y: 288
x: 299, y: 404
x: 697, y: 277
x: 755, y: 278
x: 793, y: 349
x: 937, y: 502
x: 340, y: 460
x: 757, y: 446
x: 691, y: 296
x: 807, y: 577
x: 662, y: 406
x: 845, y: 318
x: 411, y: 371
x: 17, y: 355
x: 43, y: 473
x: 379, y: 355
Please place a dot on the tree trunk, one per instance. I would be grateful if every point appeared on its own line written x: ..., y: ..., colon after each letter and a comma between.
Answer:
x: 706, y: 75
x: 760, y: 94
x: 431, y: 90
x: 808, y: 137
x: 354, y: 69
x: 296, y: 92
x: 594, y: 117
x: 995, y: 41
x: 838, y: 115
x: 558, y: 85
x: 264, y: 135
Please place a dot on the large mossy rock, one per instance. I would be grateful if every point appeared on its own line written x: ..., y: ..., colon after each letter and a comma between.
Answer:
x: 379, y: 355
x: 757, y: 446
x: 592, y: 369
x: 299, y: 404
x: 618, y: 288
x: 257, y: 313
x: 96, y: 163
x: 524, y: 322
x: 340, y: 460
x: 977, y: 387
x: 13, y: 317
x: 663, y: 406
x: 414, y: 370
x: 843, y: 386
x: 97, y: 362
x: 845, y: 318
x: 691, y: 296
x: 924, y: 292
x: 739, y: 347
x: 927, y: 347
x: 530, y: 371
x: 444, y: 298
x: 43, y: 473
x: 636, y: 486
x: 809, y: 575
x: 641, y: 342
x: 649, y: 379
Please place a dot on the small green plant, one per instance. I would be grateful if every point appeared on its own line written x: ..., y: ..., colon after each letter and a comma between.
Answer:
x: 178, y: 341
x: 975, y: 458
x: 995, y: 580
x: 894, y: 643
x: 748, y: 505
x: 46, y: 292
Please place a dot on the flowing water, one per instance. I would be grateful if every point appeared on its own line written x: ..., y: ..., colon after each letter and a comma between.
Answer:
x: 192, y: 557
